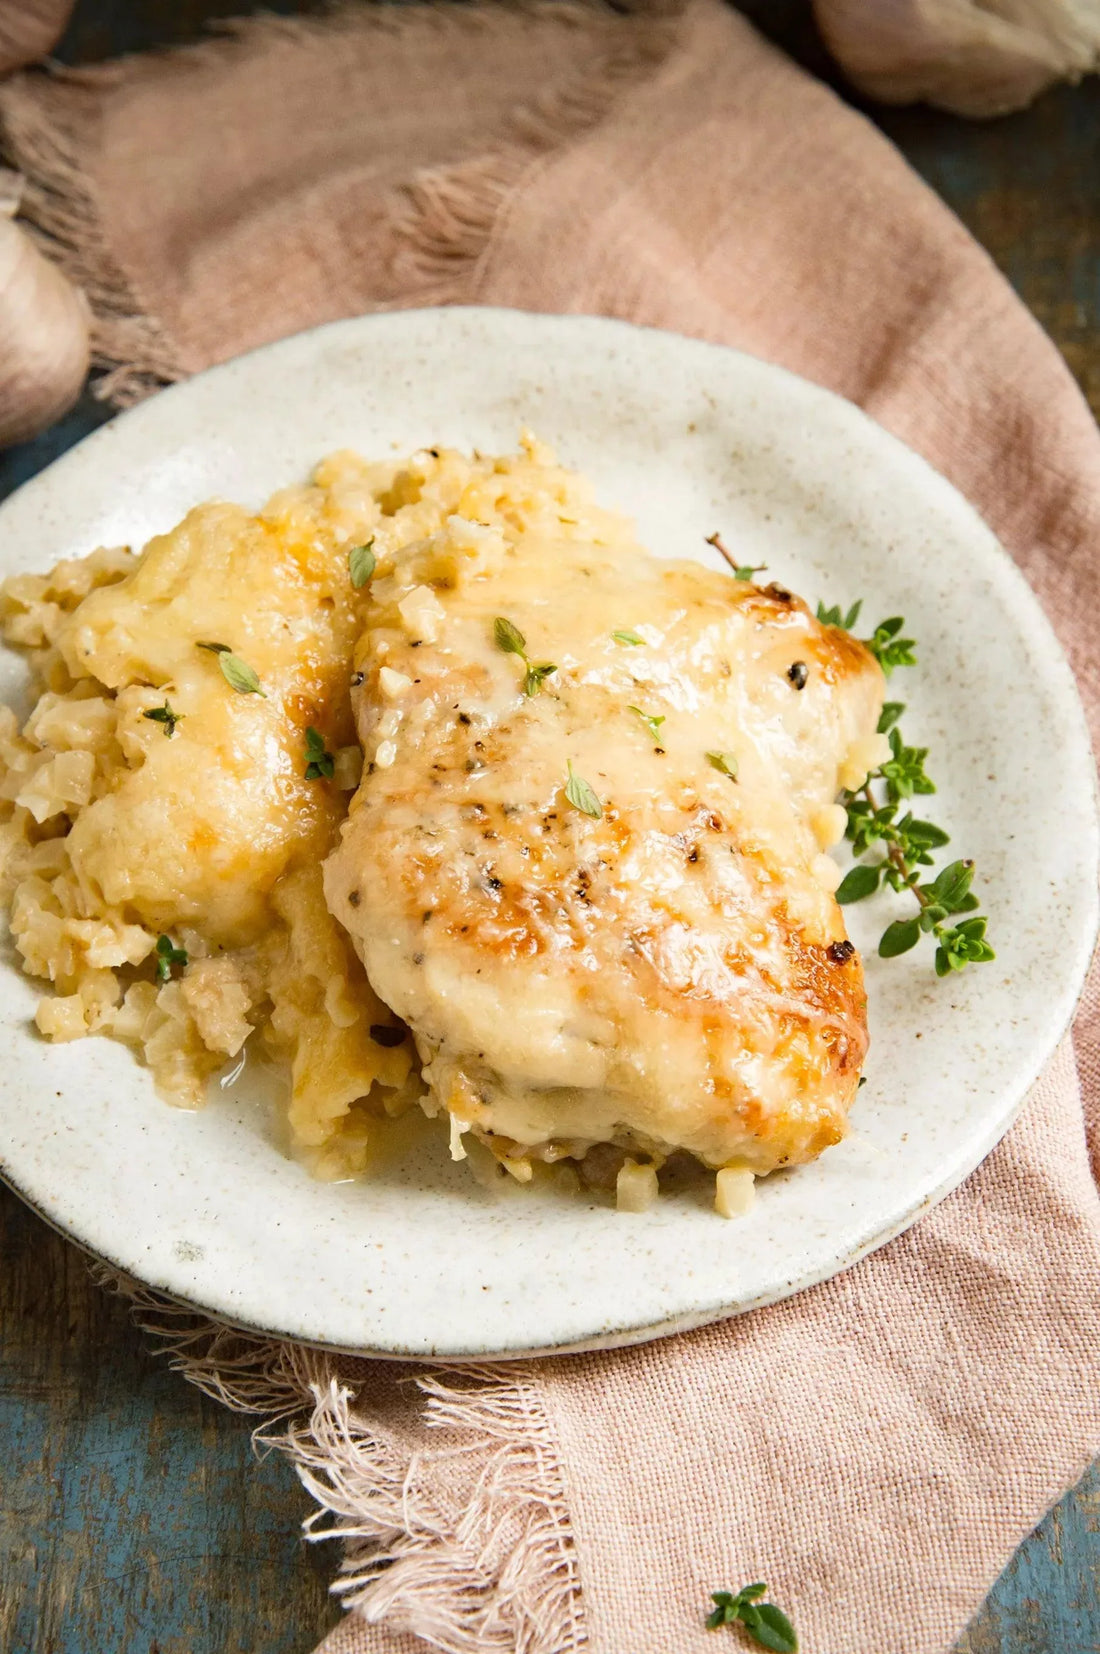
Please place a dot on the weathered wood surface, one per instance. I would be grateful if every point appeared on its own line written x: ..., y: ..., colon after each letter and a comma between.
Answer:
x: 134, y: 1518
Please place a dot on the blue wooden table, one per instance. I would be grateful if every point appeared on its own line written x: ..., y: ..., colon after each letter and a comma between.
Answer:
x: 134, y: 1516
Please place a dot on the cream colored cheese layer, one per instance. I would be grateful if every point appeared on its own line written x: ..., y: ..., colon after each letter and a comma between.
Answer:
x: 661, y: 975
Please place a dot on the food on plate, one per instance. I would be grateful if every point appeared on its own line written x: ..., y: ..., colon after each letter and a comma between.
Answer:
x: 162, y: 853
x: 580, y: 905
x: 586, y: 862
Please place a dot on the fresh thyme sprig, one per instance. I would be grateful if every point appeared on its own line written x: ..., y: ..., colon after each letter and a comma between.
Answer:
x: 834, y: 616
x: 876, y: 821
x: 888, y: 648
x: 907, y: 842
x: 508, y: 637
x: 741, y: 571
x: 765, y: 1623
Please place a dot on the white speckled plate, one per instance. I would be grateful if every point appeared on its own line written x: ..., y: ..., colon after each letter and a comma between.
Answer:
x: 421, y: 1261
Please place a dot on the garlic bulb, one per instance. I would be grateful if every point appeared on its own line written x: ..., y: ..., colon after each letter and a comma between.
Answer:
x: 974, y: 57
x: 44, y: 346
x: 28, y: 29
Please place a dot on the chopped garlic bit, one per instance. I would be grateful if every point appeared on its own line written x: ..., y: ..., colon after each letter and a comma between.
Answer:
x: 421, y: 614
x: 829, y: 825
x: 62, y: 1019
x: 384, y: 757
x: 392, y: 684
x: 458, y: 1126
x: 863, y: 756
x: 60, y: 781
x: 635, y: 1187
x: 347, y: 771
x: 825, y: 870
x: 734, y: 1191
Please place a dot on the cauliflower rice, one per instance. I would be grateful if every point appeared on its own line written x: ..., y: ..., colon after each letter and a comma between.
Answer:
x: 145, y: 800
x: 117, y: 828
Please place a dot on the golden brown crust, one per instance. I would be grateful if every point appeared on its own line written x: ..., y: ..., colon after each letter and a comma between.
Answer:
x: 670, y: 970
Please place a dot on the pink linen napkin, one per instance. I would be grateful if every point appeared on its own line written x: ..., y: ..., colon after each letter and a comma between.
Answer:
x: 876, y: 1447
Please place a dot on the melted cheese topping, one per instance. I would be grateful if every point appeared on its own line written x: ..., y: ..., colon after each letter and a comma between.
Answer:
x: 115, y: 827
x: 663, y: 976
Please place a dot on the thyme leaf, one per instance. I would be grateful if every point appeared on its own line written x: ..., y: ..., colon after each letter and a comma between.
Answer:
x: 236, y: 672
x: 362, y: 563
x: 507, y: 636
x: 724, y: 762
x: 168, y: 955
x: 165, y: 716
x: 582, y: 796
x: 320, y: 763
x: 653, y: 724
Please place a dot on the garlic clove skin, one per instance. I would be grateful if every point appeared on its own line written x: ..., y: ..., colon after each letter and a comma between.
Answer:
x: 972, y: 57
x: 44, y: 338
x: 29, y: 29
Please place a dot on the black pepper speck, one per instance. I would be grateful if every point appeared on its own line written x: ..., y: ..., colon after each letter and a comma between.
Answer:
x: 382, y: 1034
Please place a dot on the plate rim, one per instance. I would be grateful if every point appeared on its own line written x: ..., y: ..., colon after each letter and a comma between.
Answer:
x: 1071, y: 716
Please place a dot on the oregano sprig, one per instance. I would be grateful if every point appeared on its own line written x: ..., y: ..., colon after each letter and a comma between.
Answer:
x: 765, y: 1623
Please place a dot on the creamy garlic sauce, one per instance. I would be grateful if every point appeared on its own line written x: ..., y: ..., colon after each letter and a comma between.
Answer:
x: 659, y: 976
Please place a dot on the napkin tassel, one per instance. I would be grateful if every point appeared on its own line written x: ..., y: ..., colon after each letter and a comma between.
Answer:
x: 442, y: 218
x: 467, y: 1544
x: 453, y: 210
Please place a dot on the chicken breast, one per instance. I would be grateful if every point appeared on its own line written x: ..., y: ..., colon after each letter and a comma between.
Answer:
x: 585, y: 863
